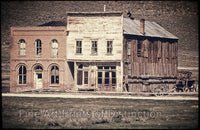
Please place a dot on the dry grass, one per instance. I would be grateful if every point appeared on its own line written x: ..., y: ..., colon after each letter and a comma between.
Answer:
x: 19, y: 112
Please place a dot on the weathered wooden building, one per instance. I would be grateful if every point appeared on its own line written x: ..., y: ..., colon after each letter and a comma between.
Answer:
x: 149, y: 55
x: 93, y: 51
x: 94, y: 46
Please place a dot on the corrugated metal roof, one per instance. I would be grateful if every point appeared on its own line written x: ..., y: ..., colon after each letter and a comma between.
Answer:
x: 152, y: 29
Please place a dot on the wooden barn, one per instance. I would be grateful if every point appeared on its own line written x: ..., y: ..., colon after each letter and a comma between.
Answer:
x: 149, y: 56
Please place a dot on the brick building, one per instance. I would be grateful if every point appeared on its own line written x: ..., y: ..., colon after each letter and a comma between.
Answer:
x: 38, y: 58
x: 89, y: 53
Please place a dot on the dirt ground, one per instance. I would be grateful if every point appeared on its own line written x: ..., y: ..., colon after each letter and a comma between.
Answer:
x: 100, y: 95
x: 110, y: 113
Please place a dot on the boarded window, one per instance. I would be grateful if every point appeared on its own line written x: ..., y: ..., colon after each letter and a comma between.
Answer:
x: 79, y: 77
x: 54, y: 75
x: 94, y: 47
x: 22, y: 47
x: 109, y: 47
x: 54, y: 48
x: 38, y: 44
x: 78, y: 47
x: 22, y: 75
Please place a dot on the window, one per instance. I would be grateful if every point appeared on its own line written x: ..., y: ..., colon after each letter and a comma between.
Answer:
x: 38, y: 44
x: 109, y: 47
x: 82, y: 74
x: 99, y: 77
x: 54, y: 48
x: 22, y: 75
x: 139, y: 47
x: 38, y: 69
x: 85, y: 77
x: 54, y: 75
x: 94, y: 47
x: 107, y: 78
x: 78, y: 47
x: 113, y: 78
x: 107, y: 75
x: 22, y: 47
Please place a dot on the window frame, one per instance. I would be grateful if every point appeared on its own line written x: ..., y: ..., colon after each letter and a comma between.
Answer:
x: 37, y: 48
x: 22, y: 49
x: 94, y: 49
x: 53, y: 70
x: 83, y: 74
x: 54, y: 49
x: 22, y: 75
x: 109, y: 70
x: 109, y: 48
x: 79, y: 48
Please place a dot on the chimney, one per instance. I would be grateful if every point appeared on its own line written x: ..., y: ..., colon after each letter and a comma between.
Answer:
x: 142, y: 25
x: 104, y: 8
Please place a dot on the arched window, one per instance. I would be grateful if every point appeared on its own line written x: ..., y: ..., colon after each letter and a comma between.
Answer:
x: 22, y: 75
x: 54, y: 75
x: 22, y: 47
x: 38, y: 45
x: 38, y: 68
x: 54, y: 48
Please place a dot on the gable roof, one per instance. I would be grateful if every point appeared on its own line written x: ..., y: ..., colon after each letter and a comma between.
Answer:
x: 152, y: 29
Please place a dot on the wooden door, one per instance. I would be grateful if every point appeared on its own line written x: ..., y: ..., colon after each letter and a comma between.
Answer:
x: 38, y: 80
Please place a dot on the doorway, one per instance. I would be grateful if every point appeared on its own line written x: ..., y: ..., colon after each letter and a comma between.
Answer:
x: 38, y: 77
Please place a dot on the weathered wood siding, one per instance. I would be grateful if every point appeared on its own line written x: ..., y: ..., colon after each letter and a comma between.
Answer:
x: 101, y: 29
x: 158, y: 57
